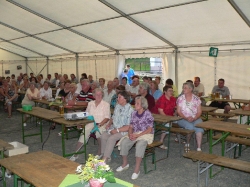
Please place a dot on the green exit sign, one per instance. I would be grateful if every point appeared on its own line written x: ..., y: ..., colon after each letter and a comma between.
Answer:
x: 213, y: 51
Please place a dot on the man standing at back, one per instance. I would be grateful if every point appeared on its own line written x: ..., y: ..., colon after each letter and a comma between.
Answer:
x: 130, y: 74
x: 224, y: 91
x: 199, y: 89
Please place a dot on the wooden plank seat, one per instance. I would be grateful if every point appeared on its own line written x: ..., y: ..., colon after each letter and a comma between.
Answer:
x: 211, y: 159
x: 234, y: 139
x: 211, y: 118
x: 150, y: 151
x: 180, y: 133
x: 234, y: 142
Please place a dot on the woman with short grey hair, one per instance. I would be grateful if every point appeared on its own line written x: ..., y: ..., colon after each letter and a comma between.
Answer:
x: 141, y: 132
x: 189, y: 108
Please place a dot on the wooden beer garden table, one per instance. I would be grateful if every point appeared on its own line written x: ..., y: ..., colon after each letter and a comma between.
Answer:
x: 3, y: 147
x: 40, y: 169
x: 206, y: 109
x: 66, y: 107
x: 161, y: 120
x: 54, y: 117
x: 242, y: 112
x: 236, y: 102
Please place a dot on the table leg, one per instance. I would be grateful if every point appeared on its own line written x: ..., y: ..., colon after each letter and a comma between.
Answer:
x: 41, y: 130
x: 23, y: 129
x: 3, y: 176
x: 63, y: 141
x: 15, y: 180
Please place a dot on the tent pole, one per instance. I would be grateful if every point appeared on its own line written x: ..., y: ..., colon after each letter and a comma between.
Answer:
x: 176, y: 67
x: 47, y: 60
x: 26, y: 63
x: 215, y: 70
x: 77, y: 71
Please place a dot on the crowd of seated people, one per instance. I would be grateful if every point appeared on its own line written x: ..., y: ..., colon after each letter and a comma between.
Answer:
x: 132, y: 105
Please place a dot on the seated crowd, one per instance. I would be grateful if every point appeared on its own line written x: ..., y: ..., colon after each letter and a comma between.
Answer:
x: 133, y: 104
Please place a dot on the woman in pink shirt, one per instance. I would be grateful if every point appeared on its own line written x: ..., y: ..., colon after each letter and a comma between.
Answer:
x: 189, y: 108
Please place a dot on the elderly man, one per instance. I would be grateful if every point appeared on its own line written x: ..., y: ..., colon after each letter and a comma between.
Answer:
x: 224, y: 91
x: 134, y: 88
x: 109, y: 92
x: 115, y: 83
x: 83, y: 94
x: 19, y: 80
x: 144, y: 91
x: 199, y: 89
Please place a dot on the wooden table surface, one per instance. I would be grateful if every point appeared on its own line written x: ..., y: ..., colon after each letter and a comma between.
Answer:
x: 208, y: 108
x: 41, y: 169
x: 42, y: 113
x: 165, y: 119
x: 233, y: 100
x: 5, y: 146
x: 74, y: 107
x: 239, y: 111
x: 237, y: 129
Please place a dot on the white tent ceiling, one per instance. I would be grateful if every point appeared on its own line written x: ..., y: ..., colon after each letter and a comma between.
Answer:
x: 59, y: 27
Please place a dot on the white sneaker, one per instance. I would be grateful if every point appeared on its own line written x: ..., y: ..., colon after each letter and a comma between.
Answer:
x: 24, y: 124
x: 99, y: 156
x: 73, y: 158
x: 120, y: 168
x: 135, y: 176
x: 198, y: 149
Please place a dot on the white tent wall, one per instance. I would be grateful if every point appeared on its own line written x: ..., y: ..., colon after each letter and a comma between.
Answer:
x: 12, y: 66
x: 232, y: 66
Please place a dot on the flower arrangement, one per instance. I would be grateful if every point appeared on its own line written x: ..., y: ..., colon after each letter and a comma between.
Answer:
x: 95, y: 169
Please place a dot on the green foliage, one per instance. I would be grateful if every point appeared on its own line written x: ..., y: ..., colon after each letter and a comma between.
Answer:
x: 139, y: 64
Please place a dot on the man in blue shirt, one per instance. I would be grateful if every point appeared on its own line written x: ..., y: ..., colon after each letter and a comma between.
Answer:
x: 130, y: 74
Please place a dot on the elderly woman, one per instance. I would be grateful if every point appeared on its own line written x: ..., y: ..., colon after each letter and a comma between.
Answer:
x: 118, y: 126
x: 25, y: 85
x: 189, y: 108
x: 94, y: 85
x: 140, y: 132
x: 154, y: 90
x: 31, y: 94
x: 13, y: 96
x: 165, y: 105
x: 45, y: 91
x: 114, y: 97
x: 101, y: 111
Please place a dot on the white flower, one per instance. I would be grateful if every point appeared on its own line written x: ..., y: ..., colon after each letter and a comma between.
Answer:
x: 102, y: 180
x: 79, y: 169
x: 107, y: 167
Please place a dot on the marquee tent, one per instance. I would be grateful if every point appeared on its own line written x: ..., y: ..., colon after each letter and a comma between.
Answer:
x: 96, y: 37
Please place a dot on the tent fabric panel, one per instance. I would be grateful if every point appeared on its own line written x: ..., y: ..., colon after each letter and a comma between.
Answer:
x: 87, y: 66
x: 106, y: 68
x: 244, y: 7
x: 37, y: 67
x: 120, y: 33
x: 198, y: 23
x: 7, y: 33
x: 71, y: 12
x: 232, y: 66
x: 17, y: 50
x: 23, y: 20
x: 39, y: 46
x: 71, y: 41
x: 131, y: 6
x: 194, y: 64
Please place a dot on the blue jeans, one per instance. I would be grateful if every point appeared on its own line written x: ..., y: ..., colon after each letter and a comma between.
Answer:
x: 191, y: 125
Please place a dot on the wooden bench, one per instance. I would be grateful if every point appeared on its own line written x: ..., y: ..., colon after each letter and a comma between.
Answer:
x: 179, y: 132
x: 211, y: 118
x: 236, y: 140
x: 150, y: 151
x: 229, y: 115
x: 215, y: 160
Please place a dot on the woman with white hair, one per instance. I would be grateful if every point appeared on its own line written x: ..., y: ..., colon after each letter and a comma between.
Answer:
x: 189, y: 108
x: 140, y: 132
x: 101, y: 111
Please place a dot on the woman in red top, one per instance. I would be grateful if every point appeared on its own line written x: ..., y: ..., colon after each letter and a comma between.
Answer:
x: 165, y: 105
